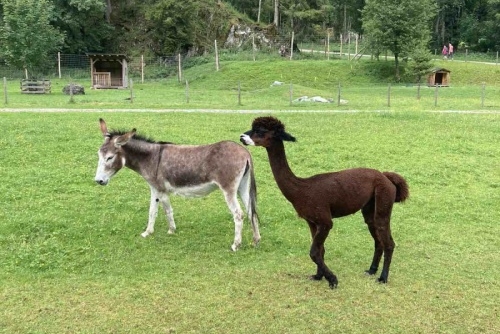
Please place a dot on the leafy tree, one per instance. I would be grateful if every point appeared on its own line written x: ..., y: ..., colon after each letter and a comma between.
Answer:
x: 27, y: 38
x: 85, y: 25
x: 398, y: 26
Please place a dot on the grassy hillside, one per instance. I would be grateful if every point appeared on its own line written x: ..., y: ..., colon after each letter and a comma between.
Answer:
x: 323, y: 74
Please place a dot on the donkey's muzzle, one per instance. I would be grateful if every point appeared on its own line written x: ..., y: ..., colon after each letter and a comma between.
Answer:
x: 101, y: 182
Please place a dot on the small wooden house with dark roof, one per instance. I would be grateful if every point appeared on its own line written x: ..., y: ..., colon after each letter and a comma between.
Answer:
x: 108, y: 70
x: 439, y: 77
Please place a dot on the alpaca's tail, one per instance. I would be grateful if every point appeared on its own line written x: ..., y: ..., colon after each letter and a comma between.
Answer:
x: 402, y: 189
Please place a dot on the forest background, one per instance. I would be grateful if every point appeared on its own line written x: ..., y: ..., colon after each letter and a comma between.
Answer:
x: 32, y: 31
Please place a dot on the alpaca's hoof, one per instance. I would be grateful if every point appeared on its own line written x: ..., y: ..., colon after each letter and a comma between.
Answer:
x: 370, y: 272
x: 316, y: 277
x: 332, y: 281
x: 382, y: 280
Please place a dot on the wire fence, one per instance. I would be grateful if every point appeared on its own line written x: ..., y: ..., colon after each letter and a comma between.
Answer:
x: 324, y: 45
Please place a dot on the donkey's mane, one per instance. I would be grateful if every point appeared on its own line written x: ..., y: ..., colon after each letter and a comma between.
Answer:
x: 137, y: 137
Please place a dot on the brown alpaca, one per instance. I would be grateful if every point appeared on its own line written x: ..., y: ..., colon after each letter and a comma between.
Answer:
x: 320, y: 198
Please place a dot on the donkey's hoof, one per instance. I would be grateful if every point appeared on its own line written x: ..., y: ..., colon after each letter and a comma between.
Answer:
x: 145, y: 234
x: 234, y: 247
x: 256, y: 242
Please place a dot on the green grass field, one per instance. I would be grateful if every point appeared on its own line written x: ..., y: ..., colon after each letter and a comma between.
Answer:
x: 72, y: 259
x: 364, y: 84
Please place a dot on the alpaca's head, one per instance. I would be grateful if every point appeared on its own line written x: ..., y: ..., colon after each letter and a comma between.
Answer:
x: 266, y: 130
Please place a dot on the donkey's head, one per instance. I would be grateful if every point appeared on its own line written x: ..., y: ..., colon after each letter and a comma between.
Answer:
x: 264, y: 131
x: 111, y: 158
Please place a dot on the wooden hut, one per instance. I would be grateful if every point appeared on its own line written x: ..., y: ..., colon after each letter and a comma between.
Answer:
x: 108, y: 70
x: 439, y: 77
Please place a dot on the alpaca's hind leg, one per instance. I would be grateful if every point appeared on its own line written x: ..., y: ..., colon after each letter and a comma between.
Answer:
x: 385, y: 233
x: 317, y: 254
x: 368, y: 215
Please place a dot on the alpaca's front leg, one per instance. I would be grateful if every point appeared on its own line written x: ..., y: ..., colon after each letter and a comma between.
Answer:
x: 153, y: 212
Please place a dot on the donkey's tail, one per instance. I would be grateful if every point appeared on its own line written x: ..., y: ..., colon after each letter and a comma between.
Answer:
x: 253, y: 195
x: 402, y: 189
x: 252, y: 202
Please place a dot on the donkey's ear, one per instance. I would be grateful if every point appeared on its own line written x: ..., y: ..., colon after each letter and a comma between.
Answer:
x: 104, y: 128
x: 123, y: 139
x: 287, y: 137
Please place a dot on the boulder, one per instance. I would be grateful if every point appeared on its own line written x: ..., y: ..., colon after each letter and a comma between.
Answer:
x: 77, y: 89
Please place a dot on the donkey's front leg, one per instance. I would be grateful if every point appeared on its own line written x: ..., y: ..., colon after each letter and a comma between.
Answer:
x: 153, y: 212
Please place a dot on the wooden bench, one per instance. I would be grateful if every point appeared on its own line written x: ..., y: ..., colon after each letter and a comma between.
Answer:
x: 35, y: 86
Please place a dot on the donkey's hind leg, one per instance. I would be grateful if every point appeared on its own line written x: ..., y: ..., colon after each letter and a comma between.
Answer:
x: 153, y: 212
x: 169, y: 213
x: 234, y: 207
x: 244, y: 191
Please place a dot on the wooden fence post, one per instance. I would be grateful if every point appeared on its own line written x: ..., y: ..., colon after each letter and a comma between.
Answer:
x: 239, y: 93
x: 71, y: 97
x: 142, y: 68
x: 341, y: 41
x: 179, y: 67
x: 5, y: 89
x: 338, y: 97
x: 59, y: 64
x: 291, y: 46
x: 131, y: 91
x: 216, y: 57
x: 389, y: 95
x: 482, y: 94
x: 253, y: 44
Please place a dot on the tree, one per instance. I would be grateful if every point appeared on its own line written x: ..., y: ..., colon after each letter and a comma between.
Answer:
x: 420, y: 62
x: 27, y: 39
x: 399, y: 26
x: 86, y: 26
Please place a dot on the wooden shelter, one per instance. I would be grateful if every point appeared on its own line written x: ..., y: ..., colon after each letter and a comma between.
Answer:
x: 439, y: 77
x: 108, y: 70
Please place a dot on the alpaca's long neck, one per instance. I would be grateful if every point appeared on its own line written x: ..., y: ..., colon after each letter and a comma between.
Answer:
x: 288, y: 183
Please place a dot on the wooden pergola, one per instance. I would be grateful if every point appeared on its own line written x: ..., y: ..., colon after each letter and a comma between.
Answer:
x: 108, y: 70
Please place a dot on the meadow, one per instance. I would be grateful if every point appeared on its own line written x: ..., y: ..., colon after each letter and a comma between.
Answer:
x: 73, y: 260
x: 247, y: 85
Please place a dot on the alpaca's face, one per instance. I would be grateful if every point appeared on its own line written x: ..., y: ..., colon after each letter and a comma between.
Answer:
x: 265, y: 131
x: 258, y: 137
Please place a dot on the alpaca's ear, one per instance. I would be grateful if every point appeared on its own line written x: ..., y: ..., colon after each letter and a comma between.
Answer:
x: 287, y: 137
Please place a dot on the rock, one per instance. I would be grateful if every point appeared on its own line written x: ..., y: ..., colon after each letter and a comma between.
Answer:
x: 77, y: 89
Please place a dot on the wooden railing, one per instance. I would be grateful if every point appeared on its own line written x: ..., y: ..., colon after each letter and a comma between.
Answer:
x: 35, y: 86
x: 101, y: 79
